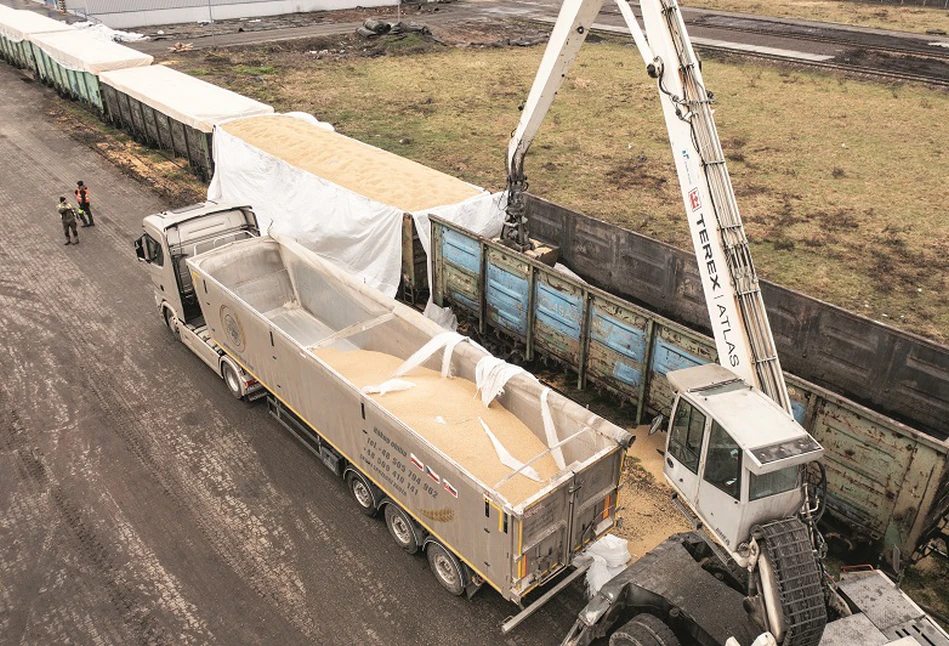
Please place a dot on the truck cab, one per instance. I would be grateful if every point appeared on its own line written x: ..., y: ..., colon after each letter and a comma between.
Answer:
x: 169, y: 239
x: 734, y: 474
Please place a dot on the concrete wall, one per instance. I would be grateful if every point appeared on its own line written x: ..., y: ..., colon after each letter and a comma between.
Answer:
x: 122, y: 14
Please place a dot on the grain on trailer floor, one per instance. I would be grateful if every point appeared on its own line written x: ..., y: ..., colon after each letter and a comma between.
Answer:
x: 455, y: 401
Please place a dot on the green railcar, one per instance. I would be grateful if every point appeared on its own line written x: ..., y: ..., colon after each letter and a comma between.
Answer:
x: 72, y: 61
x: 173, y: 111
x: 16, y: 30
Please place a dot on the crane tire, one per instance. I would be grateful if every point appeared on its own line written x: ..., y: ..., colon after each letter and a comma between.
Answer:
x: 791, y: 582
x: 644, y: 630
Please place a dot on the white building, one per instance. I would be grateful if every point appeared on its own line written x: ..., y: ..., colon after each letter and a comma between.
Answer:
x: 121, y: 14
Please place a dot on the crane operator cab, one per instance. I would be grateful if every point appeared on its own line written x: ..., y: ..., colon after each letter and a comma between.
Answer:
x: 733, y: 454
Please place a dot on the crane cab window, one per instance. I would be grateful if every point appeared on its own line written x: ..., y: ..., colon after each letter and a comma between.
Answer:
x: 773, y: 483
x: 723, y: 462
x: 685, y: 441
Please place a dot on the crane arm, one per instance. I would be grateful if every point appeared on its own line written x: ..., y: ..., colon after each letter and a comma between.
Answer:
x: 571, y: 29
x: 736, y: 309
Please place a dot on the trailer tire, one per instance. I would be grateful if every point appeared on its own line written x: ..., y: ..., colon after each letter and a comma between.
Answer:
x: 171, y: 322
x: 402, y: 528
x: 644, y: 630
x: 446, y: 568
x: 231, y: 379
x: 362, y: 493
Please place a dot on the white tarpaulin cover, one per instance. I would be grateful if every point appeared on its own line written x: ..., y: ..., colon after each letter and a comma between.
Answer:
x: 17, y: 25
x: 82, y: 52
x: 191, y: 101
x: 103, y: 32
x: 339, y: 197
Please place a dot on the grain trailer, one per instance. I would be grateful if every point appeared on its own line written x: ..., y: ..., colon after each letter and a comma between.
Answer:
x: 501, y: 490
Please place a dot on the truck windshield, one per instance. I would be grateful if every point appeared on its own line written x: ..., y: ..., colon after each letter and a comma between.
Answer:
x: 773, y: 483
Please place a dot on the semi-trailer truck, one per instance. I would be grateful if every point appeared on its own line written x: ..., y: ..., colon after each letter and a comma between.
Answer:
x: 503, y: 489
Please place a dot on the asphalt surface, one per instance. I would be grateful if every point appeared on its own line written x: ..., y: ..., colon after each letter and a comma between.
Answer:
x: 139, y: 502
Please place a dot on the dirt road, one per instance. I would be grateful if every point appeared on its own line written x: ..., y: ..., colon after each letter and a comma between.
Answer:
x: 139, y: 502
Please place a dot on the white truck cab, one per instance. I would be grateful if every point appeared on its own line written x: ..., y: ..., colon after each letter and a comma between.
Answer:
x: 169, y: 239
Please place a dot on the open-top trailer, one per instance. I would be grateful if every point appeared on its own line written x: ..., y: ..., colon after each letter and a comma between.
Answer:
x: 504, y: 488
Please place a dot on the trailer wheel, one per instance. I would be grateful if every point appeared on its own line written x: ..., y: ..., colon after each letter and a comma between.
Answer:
x: 644, y: 630
x: 446, y: 569
x: 231, y: 379
x: 172, y: 323
x: 362, y: 493
x: 401, y: 528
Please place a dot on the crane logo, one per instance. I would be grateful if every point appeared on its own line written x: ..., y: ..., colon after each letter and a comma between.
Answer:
x: 232, y: 328
x: 695, y: 202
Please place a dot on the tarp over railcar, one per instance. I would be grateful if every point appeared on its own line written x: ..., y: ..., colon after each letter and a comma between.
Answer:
x: 172, y: 110
x: 16, y: 27
x: 72, y: 61
x: 344, y: 199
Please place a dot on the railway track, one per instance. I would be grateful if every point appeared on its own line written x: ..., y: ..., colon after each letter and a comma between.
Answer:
x: 830, y: 65
x: 940, y: 53
x: 904, y: 53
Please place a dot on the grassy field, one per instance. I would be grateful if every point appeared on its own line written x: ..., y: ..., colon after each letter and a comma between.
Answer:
x: 863, y: 14
x: 843, y: 184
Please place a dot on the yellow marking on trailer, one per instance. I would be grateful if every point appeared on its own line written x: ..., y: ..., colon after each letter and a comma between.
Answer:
x: 500, y: 513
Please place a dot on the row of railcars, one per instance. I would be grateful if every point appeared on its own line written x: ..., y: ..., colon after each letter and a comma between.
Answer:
x: 156, y: 105
x: 888, y: 484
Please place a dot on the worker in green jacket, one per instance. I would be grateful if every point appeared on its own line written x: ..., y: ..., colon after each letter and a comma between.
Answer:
x: 68, y: 215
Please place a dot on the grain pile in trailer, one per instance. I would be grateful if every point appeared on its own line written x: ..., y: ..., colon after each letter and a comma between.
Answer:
x: 362, y: 207
x: 16, y: 29
x: 173, y: 111
x: 72, y: 61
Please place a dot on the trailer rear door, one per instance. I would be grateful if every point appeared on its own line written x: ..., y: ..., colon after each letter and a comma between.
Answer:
x: 565, y: 520
x: 544, y: 533
x: 594, y: 499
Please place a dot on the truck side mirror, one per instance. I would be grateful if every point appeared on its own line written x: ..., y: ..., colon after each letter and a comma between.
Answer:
x: 140, y: 249
x: 658, y: 424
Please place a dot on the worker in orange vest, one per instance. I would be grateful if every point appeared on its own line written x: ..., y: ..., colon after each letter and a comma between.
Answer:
x: 85, y: 210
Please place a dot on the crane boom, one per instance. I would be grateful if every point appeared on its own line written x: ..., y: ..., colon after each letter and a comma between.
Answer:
x: 734, y: 454
x: 573, y: 24
x: 736, y: 309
